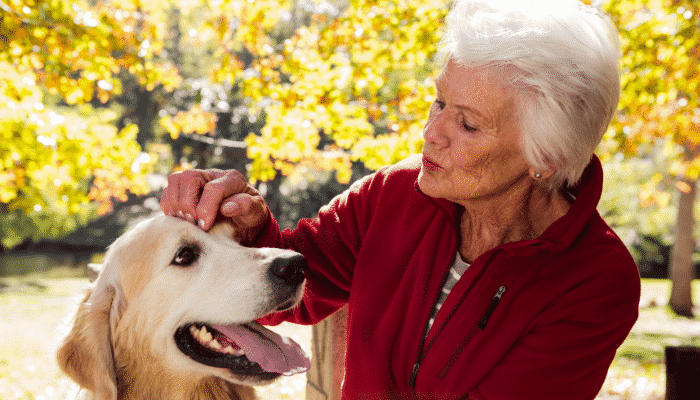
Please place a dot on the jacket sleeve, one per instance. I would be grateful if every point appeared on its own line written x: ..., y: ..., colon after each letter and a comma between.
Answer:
x: 569, y: 348
x: 330, y: 243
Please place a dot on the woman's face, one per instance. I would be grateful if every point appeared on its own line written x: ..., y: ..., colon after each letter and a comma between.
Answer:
x: 471, y: 148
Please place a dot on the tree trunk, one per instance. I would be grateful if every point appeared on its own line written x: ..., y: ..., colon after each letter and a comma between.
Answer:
x: 681, y: 269
x: 145, y: 116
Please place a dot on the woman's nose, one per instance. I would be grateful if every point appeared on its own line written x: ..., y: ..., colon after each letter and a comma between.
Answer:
x: 434, y: 130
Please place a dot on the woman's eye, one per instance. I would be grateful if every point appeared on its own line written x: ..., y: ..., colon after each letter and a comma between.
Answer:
x: 185, y: 256
x: 469, y: 128
x: 439, y: 105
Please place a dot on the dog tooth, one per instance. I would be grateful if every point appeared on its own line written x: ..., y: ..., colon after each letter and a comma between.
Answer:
x: 215, y: 344
x: 206, y: 335
x: 202, y: 337
x: 229, y: 350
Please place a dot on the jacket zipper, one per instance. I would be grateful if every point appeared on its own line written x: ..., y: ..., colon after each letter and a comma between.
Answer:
x: 481, y: 325
x: 421, y: 350
x: 419, y: 359
x: 494, y: 302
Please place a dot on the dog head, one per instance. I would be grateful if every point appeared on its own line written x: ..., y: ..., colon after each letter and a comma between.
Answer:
x: 175, y: 302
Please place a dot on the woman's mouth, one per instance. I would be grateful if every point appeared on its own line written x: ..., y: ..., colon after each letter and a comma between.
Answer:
x: 429, y: 164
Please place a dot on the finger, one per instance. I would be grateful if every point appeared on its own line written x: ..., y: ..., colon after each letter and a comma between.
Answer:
x: 168, y: 198
x: 214, y: 192
x: 245, y: 209
x: 191, y: 186
x: 189, y: 190
x: 248, y: 213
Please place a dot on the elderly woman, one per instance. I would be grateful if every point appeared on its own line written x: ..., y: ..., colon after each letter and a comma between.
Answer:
x: 481, y: 268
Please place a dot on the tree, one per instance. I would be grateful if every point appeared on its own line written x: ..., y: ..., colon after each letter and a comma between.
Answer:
x: 62, y: 159
x: 660, y: 103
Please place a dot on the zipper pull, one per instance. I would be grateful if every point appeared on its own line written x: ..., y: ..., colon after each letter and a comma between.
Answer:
x: 494, y: 302
x: 414, y: 375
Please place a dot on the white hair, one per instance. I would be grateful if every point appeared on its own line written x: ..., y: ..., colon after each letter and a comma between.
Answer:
x: 567, y: 80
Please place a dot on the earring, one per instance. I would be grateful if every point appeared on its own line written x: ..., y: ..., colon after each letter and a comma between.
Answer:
x: 538, y: 175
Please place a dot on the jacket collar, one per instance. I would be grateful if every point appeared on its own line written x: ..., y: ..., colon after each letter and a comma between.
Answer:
x: 562, y: 233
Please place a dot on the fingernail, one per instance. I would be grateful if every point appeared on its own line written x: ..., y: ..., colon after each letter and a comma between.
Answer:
x: 189, y: 218
x: 201, y: 223
x: 230, y: 207
x: 180, y: 214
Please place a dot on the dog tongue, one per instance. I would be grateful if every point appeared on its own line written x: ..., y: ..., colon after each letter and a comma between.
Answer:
x: 274, y: 353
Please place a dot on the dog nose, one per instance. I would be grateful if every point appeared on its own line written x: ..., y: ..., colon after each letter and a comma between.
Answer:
x: 288, y: 269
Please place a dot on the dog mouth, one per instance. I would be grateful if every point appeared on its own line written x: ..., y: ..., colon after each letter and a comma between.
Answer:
x: 244, y: 349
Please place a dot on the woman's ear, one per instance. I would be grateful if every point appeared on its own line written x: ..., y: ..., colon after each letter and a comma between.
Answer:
x: 85, y: 354
x: 541, y: 175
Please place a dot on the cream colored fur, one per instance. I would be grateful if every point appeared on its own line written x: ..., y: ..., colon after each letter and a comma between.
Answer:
x: 121, y: 343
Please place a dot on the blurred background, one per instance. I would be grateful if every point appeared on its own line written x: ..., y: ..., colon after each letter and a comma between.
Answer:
x: 101, y: 100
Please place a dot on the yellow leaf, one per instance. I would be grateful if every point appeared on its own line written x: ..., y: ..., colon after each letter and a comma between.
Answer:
x: 169, y: 125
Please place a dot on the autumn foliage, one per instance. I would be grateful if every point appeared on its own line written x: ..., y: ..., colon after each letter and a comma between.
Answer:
x: 660, y: 81
x: 335, y: 82
x: 350, y: 84
x: 57, y: 152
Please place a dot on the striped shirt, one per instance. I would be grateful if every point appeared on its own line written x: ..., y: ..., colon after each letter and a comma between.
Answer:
x: 456, y: 271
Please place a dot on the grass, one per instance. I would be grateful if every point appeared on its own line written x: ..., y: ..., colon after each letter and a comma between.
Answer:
x: 638, y: 371
x: 34, y: 310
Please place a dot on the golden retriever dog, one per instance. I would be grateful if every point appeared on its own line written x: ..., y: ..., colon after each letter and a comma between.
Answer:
x: 172, y: 316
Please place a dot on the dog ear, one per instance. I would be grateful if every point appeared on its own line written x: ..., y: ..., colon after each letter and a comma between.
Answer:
x: 226, y: 229
x: 93, y: 271
x: 85, y: 354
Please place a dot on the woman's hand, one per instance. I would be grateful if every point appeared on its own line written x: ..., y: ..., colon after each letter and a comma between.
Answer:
x: 200, y: 196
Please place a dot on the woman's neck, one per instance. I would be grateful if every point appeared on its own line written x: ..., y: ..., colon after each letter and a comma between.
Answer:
x: 522, y: 213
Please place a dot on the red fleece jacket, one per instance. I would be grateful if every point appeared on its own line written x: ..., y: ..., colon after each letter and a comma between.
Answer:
x: 567, y: 299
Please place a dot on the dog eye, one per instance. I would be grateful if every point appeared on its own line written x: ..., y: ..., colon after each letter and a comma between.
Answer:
x: 186, y: 256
